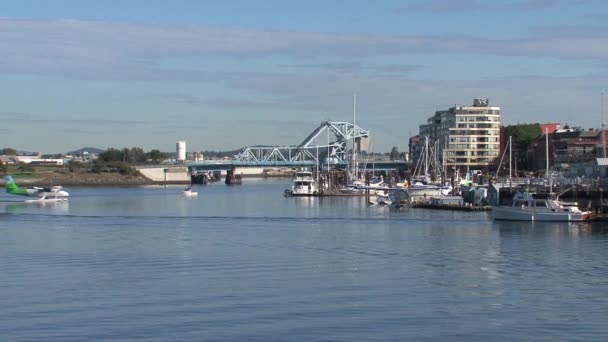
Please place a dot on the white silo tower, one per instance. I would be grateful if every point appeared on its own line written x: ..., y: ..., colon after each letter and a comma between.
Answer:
x: 181, y: 151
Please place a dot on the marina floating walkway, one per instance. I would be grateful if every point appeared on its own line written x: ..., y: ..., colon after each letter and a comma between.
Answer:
x: 451, y: 207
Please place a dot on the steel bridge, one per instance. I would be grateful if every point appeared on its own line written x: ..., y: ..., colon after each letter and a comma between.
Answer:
x: 225, y: 165
x: 312, y: 151
x: 335, y: 147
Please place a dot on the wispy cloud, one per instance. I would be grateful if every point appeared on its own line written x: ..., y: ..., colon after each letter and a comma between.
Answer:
x: 316, y: 75
x: 600, y: 64
x: 218, y: 102
x: 571, y: 32
x: 442, y: 6
x: 44, y: 119
x: 533, y: 5
x: 360, y: 67
x: 8, y: 116
x: 388, y: 107
x: 119, y: 51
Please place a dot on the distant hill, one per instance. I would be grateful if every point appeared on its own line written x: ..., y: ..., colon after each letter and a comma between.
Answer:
x: 90, y: 150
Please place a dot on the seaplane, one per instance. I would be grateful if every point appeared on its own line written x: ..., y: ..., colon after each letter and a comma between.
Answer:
x: 52, y: 194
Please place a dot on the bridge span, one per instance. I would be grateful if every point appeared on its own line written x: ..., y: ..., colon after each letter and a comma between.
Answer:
x: 216, y: 165
x: 326, y: 146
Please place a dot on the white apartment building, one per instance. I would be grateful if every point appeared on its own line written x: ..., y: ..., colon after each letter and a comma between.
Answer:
x: 465, y: 137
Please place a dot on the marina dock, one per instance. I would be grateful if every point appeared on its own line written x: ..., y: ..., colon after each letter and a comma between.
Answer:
x: 451, y: 207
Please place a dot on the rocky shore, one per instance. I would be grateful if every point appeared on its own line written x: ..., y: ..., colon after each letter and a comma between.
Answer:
x: 84, y: 179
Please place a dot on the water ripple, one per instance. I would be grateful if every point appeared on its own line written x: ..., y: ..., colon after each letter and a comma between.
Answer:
x: 341, y: 274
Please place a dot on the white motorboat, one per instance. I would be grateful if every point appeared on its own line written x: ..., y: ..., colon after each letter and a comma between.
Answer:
x: 189, y: 193
x: 526, y: 207
x: 304, y: 184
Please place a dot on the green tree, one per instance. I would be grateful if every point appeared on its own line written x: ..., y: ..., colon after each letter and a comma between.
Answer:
x: 8, y: 151
x: 125, y: 169
x: 132, y: 155
x: 23, y: 168
x: 154, y: 155
x: 136, y: 155
x: 111, y: 155
x: 75, y: 166
x: 522, y: 137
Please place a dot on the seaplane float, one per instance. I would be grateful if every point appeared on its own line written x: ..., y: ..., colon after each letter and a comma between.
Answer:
x: 42, y: 195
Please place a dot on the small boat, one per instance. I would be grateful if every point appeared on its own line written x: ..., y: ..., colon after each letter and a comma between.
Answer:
x: 189, y: 193
x: 527, y: 207
x: 304, y: 184
x: 358, y: 187
x: 384, y: 199
x: 419, y: 192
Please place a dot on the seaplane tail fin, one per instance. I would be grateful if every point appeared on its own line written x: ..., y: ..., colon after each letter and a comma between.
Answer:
x: 13, y: 188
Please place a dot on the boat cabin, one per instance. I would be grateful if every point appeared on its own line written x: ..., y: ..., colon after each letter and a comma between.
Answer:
x: 527, y: 201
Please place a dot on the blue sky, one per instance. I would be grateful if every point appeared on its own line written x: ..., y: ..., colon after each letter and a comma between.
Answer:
x: 226, y: 74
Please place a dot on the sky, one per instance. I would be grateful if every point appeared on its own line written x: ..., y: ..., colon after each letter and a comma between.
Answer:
x: 222, y: 75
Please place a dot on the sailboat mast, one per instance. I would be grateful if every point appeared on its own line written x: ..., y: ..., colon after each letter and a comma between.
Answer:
x: 426, y: 159
x: 317, y: 164
x: 354, y: 139
x: 510, y: 159
x: 547, y: 152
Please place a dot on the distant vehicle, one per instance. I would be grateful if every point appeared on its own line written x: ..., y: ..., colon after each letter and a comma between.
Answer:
x: 52, y: 194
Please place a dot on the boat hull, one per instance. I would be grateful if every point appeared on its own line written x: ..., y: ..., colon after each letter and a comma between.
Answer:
x: 304, y: 192
x: 517, y: 214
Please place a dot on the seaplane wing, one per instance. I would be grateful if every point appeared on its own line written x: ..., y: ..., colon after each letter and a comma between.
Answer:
x: 42, y: 193
x: 56, y: 188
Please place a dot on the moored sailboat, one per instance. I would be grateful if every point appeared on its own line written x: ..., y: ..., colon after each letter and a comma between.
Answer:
x: 531, y: 207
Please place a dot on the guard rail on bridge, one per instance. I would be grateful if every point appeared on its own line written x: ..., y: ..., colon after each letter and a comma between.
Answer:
x: 221, y: 165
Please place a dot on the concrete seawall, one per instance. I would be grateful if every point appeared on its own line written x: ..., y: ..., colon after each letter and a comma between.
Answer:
x: 180, y: 174
x: 174, y: 174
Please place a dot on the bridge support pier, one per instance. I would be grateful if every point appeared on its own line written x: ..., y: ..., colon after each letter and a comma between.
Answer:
x: 232, y: 178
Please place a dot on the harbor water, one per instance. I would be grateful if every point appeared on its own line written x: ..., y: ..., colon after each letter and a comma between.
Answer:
x: 245, y: 263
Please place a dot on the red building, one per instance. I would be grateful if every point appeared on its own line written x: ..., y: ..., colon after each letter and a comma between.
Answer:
x: 549, y: 127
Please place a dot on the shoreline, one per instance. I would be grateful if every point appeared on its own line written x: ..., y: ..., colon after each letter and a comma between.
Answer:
x: 75, y: 179
x: 80, y: 179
